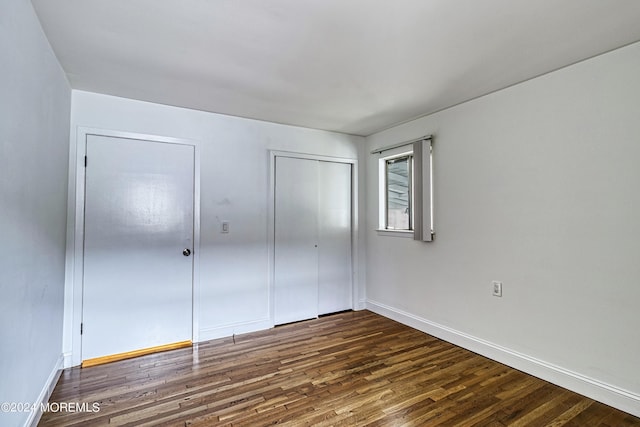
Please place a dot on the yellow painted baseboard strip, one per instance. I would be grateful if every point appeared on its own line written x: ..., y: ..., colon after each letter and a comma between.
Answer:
x: 135, y: 353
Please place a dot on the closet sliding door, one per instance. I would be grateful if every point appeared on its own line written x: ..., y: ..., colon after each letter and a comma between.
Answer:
x: 296, y: 240
x: 334, y: 238
x: 312, y: 253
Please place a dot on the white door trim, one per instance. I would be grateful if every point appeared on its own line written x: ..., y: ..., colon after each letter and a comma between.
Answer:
x: 75, y: 236
x: 271, y: 241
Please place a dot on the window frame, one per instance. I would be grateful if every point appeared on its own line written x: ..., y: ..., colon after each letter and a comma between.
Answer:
x: 421, y: 188
x: 410, y: 184
x: 406, y: 151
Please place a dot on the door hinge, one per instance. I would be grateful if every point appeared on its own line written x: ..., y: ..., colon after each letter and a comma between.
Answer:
x: 81, y: 328
x: 85, y: 161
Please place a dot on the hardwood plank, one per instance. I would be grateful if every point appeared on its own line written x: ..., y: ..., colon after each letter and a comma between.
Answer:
x: 352, y: 368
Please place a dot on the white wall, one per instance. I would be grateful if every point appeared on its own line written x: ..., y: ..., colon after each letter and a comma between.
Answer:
x: 34, y: 144
x: 538, y: 186
x: 234, y: 187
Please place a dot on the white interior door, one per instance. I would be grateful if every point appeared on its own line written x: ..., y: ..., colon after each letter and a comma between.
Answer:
x: 137, y: 284
x: 296, y: 251
x: 334, y: 238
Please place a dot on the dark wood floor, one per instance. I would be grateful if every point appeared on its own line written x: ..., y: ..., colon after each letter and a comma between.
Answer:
x: 349, y: 369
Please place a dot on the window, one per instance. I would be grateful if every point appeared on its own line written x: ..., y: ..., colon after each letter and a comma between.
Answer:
x: 399, y: 193
x: 406, y: 192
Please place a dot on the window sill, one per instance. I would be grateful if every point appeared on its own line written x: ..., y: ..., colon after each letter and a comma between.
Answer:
x: 395, y: 233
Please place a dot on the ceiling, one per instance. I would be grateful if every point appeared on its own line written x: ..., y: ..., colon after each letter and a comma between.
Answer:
x: 352, y: 66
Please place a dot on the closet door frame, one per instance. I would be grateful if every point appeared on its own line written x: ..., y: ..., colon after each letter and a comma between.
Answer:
x: 271, y: 221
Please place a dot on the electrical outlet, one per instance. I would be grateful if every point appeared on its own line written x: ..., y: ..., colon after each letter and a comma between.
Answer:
x: 497, y: 288
x: 225, y: 227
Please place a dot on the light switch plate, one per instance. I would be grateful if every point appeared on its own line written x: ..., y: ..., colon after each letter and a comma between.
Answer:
x: 496, y: 288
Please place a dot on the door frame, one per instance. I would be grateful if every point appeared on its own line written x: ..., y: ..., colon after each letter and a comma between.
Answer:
x: 271, y: 235
x: 75, y: 236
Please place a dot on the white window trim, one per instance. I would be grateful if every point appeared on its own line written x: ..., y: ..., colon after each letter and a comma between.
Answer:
x: 395, y: 233
x: 382, y: 196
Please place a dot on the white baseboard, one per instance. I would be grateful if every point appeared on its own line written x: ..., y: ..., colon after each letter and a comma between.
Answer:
x: 234, y: 329
x: 67, y: 360
x: 590, y: 387
x: 45, y: 393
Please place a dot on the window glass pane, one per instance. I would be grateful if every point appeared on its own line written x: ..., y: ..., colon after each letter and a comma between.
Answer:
x: 399, y: 193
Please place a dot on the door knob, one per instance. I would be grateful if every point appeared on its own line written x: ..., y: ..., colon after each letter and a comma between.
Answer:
x: 186, y: 252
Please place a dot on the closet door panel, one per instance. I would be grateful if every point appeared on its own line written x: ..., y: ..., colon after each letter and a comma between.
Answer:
x: 296, y: 240
x: 334, y: 237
